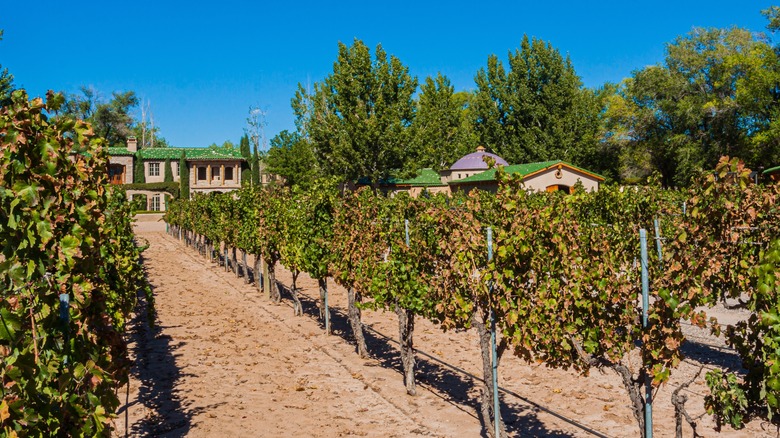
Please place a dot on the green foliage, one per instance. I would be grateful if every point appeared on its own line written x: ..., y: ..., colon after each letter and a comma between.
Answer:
x: 168, y: 171
x: 65, y: 232
x: 292, y: 158
x: 536, y: 110
x: 6, y: 83
x: 184, y: 177
x: 563, y: 283
x: 442, y: 130
x: 772, y: 14
x: 358, y: 118
x: 727, y: 400
x: 243, y: 145
x: 714, y: 95
x: 110, y: 120
x: 139, y: 172
x: 170, y: 187
x: 248, y: 166
x: 757, y: 340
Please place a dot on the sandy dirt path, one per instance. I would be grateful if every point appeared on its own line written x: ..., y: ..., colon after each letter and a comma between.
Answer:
x: 223, y: 361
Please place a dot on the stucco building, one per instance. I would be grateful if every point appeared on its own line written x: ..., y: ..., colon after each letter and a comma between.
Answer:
x: 209, y: 169
x: 473, y: 172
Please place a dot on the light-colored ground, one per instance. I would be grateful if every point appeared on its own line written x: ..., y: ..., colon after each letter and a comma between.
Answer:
x: 226, y: 362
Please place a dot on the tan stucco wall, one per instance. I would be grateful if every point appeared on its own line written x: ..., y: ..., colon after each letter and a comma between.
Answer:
x: 128, y: 163
x: 161, y: 177
x: 416, y: 191
x: 158, y: 178
x: 215, y: 184
x: 149, y: 195
x: 569, y: 177
x: 454, y: 175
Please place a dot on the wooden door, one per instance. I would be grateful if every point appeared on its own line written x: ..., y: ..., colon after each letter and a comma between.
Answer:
x: 116, y: 173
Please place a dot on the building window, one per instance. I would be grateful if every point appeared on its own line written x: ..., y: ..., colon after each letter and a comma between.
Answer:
x: 201, y: 174
x: 154, y: 169
x: 154, y: 203
x: 177, y: 170
x: 215, y: 173
x: 228, y: 173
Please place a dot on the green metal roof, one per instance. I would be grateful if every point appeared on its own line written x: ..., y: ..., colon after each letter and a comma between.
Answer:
x: 117, y: 151
x: 190, y: 154
x: 426, y: 177
x: 522, y: 169
x: 771, y: 170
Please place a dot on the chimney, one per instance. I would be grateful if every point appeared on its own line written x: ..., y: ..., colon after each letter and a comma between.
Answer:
x: 132, y: 144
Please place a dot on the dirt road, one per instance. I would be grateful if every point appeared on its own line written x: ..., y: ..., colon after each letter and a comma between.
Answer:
x: 223, y: 361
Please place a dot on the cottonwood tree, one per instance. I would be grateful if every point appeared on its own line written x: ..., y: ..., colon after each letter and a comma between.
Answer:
x: 292, y: 158
x: 717, y: 93
x: 536, y: 108
x: 361, y: 113
x: 441, y: 132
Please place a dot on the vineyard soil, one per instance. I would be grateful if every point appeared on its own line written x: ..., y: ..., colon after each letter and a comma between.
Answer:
x: 223, y: 361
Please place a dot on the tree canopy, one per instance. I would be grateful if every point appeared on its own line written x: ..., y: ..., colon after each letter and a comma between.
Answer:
x: 291, y: 157
x: 358, y: 117
x: 442, y: 130
x: 535, y: 109
x: 717, y: 93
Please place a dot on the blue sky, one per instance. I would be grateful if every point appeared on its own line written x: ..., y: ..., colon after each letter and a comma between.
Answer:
x: 202, y: 64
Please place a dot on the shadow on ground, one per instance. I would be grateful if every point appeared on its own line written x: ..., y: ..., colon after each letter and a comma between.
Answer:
x: 156, y: 371
x: 445, y: 381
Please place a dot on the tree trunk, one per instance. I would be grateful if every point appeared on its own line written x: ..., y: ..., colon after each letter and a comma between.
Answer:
x: 354, y: 320
x: 266, y: 280
x: 297, y: 306
x: 258, y: 278
x: 486, y: 399
x: 634, y: 388
x: 406, y: 345
x: 324, y: 309
x: 276, y: 296
x: 246, y: 267
x: 225, y: 257
x: 234, y: 260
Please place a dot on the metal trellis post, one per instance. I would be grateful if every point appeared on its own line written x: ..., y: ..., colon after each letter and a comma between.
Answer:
x: 645, y: 305
x: 494, y: 353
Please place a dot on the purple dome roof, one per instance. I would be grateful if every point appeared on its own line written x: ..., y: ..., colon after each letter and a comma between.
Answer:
x: 474, y: 160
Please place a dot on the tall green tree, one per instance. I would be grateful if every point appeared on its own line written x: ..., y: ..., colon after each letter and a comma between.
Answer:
x: 292, y: 158
x: 258, y: 167
x: 168, y: 171
x: 139, y: 176
x: 360, y: 114
x: 6, y: 83
x: 772, y: 14
x: 184, y: 177
x: 249, y: 165
x: 111, y: 120
x: 536, y: 109
x: 440, y: 134
x: 717, y: 93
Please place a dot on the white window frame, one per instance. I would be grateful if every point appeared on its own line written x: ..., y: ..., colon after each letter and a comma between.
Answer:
x: 154, y: 169
x: 154, y: 203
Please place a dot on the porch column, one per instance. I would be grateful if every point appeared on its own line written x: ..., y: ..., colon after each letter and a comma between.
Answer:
x: 208, y: 173
x: 222, y: 174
